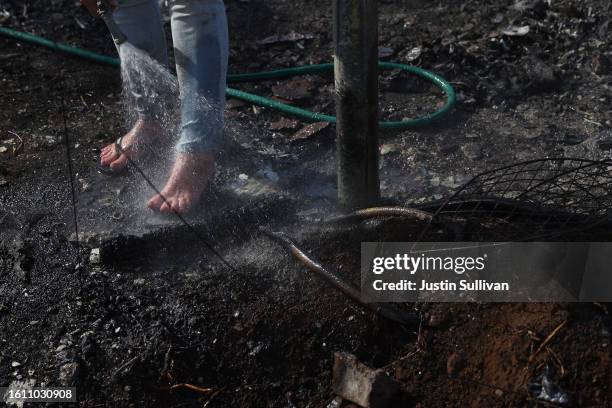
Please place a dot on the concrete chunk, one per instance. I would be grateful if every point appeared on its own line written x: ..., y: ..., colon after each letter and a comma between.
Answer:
x: 362, y: 385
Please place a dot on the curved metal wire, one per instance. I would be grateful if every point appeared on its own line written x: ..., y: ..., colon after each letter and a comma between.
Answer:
x: 543, y: 198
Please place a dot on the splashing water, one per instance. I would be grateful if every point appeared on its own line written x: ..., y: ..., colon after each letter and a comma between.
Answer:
x: 153, y: 81
x: 248, y: 170
x: 148, y: 87
x: 159, y: 95
x: 245, y: 168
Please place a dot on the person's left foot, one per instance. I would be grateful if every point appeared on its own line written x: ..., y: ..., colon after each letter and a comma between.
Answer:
x: 188, y: 178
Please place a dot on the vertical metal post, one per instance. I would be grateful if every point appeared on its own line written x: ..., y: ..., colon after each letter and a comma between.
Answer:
x: 356, y: 82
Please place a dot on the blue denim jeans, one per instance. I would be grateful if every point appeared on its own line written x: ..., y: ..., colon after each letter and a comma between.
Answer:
x: 201, y: 47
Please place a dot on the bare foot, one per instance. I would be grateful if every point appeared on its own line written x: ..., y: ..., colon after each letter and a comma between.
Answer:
x: 188, y: 178
x: 142, y: 131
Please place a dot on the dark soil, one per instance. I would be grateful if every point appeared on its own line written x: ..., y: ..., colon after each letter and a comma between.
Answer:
x: 162, y: 310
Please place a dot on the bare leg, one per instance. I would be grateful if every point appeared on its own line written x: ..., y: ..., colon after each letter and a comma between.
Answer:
x: 142, y: 24
x: 199, y: 32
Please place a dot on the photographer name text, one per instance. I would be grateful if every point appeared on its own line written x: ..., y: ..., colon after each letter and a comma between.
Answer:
x: 441, y: 286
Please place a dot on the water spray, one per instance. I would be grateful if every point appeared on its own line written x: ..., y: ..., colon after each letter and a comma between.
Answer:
x: 106, y: 14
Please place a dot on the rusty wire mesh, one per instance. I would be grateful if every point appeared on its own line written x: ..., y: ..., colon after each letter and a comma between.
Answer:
x: 563, y: 198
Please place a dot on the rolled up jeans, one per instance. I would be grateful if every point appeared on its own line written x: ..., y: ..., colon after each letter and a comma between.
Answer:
x: 200, y: 37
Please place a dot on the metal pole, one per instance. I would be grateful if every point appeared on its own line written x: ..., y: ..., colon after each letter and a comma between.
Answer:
x: 356, y: 82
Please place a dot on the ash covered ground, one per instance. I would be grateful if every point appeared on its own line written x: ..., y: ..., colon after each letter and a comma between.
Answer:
x: 164, y: 311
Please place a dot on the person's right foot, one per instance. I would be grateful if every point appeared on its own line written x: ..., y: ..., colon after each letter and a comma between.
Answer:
x: 141, y: 133
x: 188, y: 178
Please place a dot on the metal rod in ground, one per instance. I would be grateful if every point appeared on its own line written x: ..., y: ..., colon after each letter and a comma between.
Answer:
x: 356, y: 87
x: 386, y: 311
x: 365, y: 213
x: 75, y: 218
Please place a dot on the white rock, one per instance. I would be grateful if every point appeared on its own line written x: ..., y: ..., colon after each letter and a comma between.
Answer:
x: 94, y: 256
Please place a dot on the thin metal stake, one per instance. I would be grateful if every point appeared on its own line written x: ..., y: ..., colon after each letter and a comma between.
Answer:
x: 72, y: 189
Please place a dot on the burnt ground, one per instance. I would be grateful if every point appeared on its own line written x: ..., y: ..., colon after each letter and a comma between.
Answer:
x: 162, y: 310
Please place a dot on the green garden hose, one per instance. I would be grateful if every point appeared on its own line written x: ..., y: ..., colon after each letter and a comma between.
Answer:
x: 276, y: 74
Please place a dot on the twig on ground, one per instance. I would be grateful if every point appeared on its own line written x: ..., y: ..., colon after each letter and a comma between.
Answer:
x: 557, y: 359
x: 125, y: 365
x: 17, y: 149
x: 189, y: 387
x: 166, y: 376
x: 212, y: 397
x: 547, y: 340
